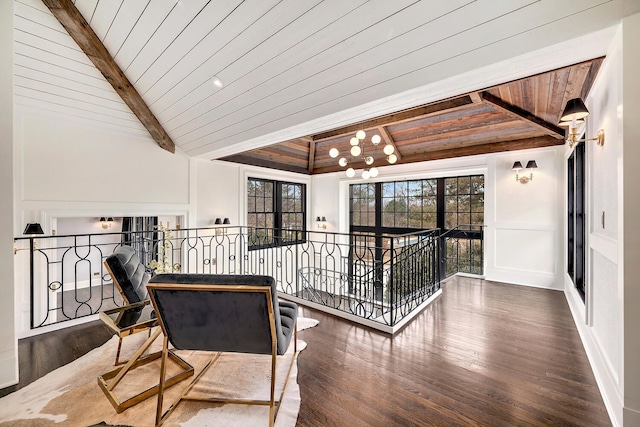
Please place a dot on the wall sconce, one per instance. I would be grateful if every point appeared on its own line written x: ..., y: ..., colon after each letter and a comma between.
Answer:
x: 531, y: 165
x: 322, y: 222
x: 220, y: 221
x: 106, y: 222
x: 573, y: 114
x: 32, y: 229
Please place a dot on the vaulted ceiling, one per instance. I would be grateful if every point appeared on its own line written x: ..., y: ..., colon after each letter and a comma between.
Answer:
x: 285, y: 63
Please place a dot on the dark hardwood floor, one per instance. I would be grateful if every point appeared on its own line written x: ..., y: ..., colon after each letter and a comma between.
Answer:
x: 44, y: 353
x: 483, y: 354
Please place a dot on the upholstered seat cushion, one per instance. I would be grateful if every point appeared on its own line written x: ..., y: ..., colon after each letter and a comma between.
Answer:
x: 288, y: 316
x: 129, y: 274
x: 225, y: 310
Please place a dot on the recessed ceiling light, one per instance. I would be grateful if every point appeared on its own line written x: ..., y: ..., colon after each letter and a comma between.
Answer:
x: 217, y: 82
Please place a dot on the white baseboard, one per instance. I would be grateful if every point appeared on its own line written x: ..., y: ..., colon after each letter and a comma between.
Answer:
x: 607, y: 383
x: 8, y: 368
x: 526, y: 278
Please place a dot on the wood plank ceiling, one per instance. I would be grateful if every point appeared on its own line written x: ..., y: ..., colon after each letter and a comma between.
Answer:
x: 513, y: 116
x: 284, y: 63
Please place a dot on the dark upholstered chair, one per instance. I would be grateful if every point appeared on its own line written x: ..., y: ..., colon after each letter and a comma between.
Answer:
x: 129, y: 274
x: 130, y: 277
x: 223, y: 313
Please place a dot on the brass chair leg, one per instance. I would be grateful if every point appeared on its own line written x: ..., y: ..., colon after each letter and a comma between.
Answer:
x: 273, y: 388
x: 163, y: 369
x: 118, y: 352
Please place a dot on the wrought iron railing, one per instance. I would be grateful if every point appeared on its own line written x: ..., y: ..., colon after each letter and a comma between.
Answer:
x: 462, y: 251
x: 345, y: 272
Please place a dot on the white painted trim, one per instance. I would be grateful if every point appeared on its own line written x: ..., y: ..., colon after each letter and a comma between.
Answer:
x: 534, y: 279
x: 365, y: 322
x: 9, y: 363
x: 247, y: 172
x: 604, y: 245
x: 530, y: 226
x: 57, y: 326
x: 607, y: 383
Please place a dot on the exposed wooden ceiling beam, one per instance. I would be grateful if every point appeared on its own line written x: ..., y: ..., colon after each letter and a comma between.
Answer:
x: 518, y: 113
x: 384, y: 133
x: 78, y: 28
x: 312, y: 155
x: 496, y: 147
x: 475, y: 97
x: 399, y: 117
x: 266, y: 163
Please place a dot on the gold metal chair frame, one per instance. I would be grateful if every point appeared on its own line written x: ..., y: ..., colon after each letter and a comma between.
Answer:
x: 135, y: 361
x: 129, y: 331
x: 273, y: 403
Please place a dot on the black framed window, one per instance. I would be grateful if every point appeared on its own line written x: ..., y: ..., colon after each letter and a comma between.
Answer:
x: 455, y: 205
x: 464, y: 202
x: 410, y: 204
x: 363, y: 205
x: 576, y: 218
x: 415, y: 205
x: 276, y: 212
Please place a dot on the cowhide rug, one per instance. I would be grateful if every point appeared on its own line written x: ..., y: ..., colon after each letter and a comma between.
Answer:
x: 70, y: 396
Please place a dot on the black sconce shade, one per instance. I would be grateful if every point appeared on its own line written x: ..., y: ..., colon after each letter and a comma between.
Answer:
x: 318, y: 219
x: 324, y: 219
x: 575, y: 109
x: 110, y: 219
x: 516, y: 166
x: 218, y: 221
x: 226, y: 221
x: 102, y: 219
x: 531, y: 164
x: 33, y: 228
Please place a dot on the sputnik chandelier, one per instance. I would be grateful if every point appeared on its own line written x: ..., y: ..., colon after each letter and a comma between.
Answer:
x: 358, y: 151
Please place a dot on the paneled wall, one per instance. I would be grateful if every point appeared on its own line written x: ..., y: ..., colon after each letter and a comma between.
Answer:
x: 524, y: 233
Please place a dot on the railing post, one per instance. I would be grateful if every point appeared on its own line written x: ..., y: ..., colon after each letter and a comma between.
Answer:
x: 32, y: 280
x: 442, y: 255
x: 391, y: 284
x: 241, y: 257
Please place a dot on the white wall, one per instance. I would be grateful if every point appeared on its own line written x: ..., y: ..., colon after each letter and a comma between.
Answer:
x: 75, y: 161
x: 8, y: 344
x: 325, y: 202
x: 631, y: 213
x: 217, y: 192
x: 67, y: 168
x: 524, y: 228
x: 608, y: 320
x: 600, y: 318
x: 221, y: 189
x: 523, y: 233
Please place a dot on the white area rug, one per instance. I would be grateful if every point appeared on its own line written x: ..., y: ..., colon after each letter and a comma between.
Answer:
x: 70, y: 396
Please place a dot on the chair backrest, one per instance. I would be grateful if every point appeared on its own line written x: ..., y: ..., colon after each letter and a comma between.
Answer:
x: 129, y: 274
x: 229, y: 313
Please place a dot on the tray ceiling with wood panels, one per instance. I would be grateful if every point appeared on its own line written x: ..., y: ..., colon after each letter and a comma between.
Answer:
x: 517, y: 115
